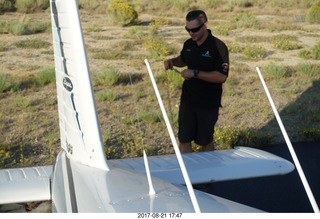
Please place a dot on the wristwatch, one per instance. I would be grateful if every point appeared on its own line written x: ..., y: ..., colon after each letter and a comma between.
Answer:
x: 195, y: 73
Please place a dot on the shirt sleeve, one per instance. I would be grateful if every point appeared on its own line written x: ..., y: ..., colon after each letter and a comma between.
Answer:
x: 182, y: 53
x: 224, y: 55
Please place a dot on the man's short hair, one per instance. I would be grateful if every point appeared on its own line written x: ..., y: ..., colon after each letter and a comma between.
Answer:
x: 197, y: 15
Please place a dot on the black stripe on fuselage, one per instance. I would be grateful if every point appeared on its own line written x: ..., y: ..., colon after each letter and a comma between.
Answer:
x: 73, y: 199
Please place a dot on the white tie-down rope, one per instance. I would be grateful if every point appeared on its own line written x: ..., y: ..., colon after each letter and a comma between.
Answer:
x: 292, y: 152
x: 174, y: 142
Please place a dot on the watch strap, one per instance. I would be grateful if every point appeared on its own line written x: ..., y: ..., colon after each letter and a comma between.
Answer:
x: 195, y: 73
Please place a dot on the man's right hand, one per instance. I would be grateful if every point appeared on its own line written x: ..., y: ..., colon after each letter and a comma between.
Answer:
x: 168, y: 64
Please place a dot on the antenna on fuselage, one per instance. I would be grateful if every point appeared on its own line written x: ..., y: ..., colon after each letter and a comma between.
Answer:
x: 146, y: 164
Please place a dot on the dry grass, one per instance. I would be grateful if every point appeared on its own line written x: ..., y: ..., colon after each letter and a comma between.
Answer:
x: 28, y: 118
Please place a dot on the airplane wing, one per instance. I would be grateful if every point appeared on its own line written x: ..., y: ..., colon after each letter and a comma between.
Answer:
x: 214, y: 166
x: 33, y: 183
x: 25, y: 184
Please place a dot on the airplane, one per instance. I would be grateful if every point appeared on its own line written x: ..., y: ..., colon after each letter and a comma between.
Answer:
x: 83, y: 180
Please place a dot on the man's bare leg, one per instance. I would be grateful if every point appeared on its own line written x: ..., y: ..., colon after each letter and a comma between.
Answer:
x: 185, y: 147
x: 208, y: 147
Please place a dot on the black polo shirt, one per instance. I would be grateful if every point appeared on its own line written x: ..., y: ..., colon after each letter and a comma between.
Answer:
x: 211, y: 55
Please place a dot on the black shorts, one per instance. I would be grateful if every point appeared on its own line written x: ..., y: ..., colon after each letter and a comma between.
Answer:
x: 197, y: 124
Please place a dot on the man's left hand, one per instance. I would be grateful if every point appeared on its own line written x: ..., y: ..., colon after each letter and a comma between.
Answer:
x: 187, y: 74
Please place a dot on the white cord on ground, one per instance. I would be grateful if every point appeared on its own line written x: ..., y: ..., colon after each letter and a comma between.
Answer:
x: 292, y: 152
x: 174, y: 142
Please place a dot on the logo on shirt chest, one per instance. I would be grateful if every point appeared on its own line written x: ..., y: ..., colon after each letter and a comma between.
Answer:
x: 207, y: 54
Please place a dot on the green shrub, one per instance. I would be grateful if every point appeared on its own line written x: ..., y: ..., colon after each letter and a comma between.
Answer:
x: 107, y: 95
x: 226, y: 136
x: 241, y: 3
x: 20, y: 29
x: 121, y: 12
x: 291, y: 3
x: 170, y: 77
x: 254, y: 52
x: 150, y: 117
x: 283, y: 42
x: 313, y: 13
x: 4, y: 27
x: 181, y: 5
x: 8, y: 83
x: 138, y: 33
x: 22, y: 102
x: 156, y: 24
x: 32, y: 44
x: 157, y: 47
x: 223, y: 28
x: 234, y: 47
x: 313, y: 53
x: 25, y: 27
x: 246, y: 20
x: 3, y: 83
x: 130, y: 145
x: 45, y: 76
x: 306, y: 54
x: 316, y: 52
x: 282, y: 3
x: 309, y: 69
x: 40, y: 27
x: 109, y: 54
x: 6, y: 5
x: 273, y: 70
x: 92, y: 5
x: 174, y: 79
x: 29, y: 6
x: 4, y: 46
x: 209, y: 3
x: 4, y: 156
x: 109, y: 76
x: 251, y: 51
x: 311, y: 134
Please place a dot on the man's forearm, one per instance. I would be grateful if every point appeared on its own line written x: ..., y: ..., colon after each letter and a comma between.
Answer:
x: 213, y: 76
x: 177, y: 61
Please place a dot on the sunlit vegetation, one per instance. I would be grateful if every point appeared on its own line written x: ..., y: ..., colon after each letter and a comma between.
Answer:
x: 120, y: 34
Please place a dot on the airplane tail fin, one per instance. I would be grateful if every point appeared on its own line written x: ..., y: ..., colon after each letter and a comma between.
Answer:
x: 79, y: 125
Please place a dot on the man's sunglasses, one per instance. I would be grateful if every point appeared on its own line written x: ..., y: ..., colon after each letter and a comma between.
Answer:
x: 194, y: 30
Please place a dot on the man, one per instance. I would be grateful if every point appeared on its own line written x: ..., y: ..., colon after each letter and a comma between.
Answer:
x: 207, y: 61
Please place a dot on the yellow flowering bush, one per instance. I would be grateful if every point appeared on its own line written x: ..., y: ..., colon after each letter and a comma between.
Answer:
x: 226, y: 136
x: 313, y: 13
x: 283, y: 42
x: 121, y: 12
x: 157, y: 47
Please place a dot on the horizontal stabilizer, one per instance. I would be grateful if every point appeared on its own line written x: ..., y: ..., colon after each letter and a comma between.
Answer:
x: 214, y: 166
x: 25, y: 184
